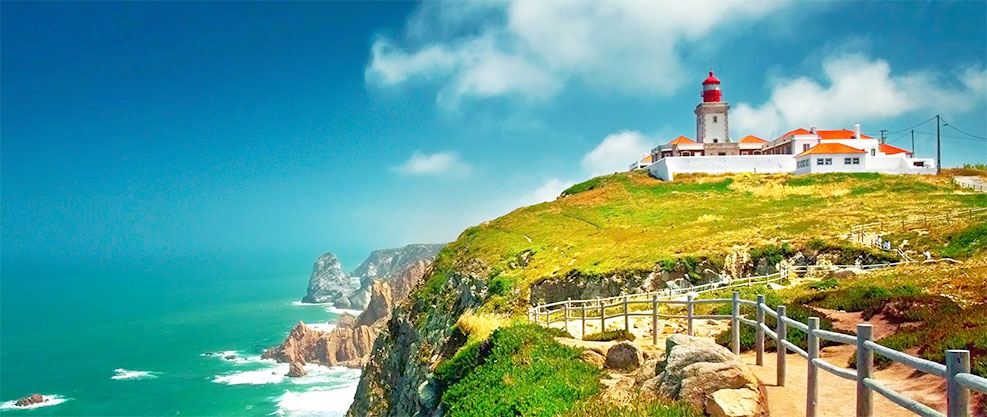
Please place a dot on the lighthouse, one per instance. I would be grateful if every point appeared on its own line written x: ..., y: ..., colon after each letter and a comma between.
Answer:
x: 711, y: 114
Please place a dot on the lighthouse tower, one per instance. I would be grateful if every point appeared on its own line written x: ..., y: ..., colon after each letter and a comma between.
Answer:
x: 711, y: 114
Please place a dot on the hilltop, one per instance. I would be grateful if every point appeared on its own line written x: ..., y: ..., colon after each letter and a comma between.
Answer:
x: 622, y: 232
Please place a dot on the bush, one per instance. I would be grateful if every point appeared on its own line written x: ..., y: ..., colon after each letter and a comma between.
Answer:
x: 519, y: 371
x: 610, y: 335
x: 825, y: 284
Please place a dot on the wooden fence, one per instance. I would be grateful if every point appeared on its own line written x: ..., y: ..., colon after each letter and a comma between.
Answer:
x: 974, y: 187
x: 886, y: 226
x: 956, y: 371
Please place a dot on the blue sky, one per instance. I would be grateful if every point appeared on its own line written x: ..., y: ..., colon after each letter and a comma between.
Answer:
x: 254, y: 136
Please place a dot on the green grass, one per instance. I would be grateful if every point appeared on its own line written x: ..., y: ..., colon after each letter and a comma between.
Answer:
x: 610, y: 335
x: 942, y: 306
x: 519, y: 371
x: 967, y: 243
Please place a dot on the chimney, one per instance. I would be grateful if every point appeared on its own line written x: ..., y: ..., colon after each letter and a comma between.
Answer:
x: 812, y: 129
x: 856, y: 131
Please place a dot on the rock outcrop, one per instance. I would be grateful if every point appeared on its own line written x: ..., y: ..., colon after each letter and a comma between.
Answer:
x: 296, y: 370
x: 399, y: 267
x: 709, y: 378
x: 30, y: 400
x: 351, y: 341
x: 328, y: 282
x: 392, y: 266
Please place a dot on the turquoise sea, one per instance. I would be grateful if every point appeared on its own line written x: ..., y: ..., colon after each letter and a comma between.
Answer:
x: 139, y: 345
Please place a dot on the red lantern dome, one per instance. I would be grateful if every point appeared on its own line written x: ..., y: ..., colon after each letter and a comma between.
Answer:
x: 711, y: 89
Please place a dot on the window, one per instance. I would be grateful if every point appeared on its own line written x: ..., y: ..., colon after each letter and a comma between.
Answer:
x: 918, y: 163
x: 819, y: 161
x: 714, y: 119
x: 873, y: 152
x: 805, y: 147
x: 716, y: 140
x: 846, y: 161
x: 685, y: 153
x: 829, y: 161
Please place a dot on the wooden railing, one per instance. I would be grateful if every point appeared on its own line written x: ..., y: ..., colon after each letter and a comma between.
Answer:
x: 956, y: 371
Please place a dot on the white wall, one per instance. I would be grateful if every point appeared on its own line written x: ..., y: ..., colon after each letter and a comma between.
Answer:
x: 899, y: 164
x: 837, y: 166
x: 666, y: 168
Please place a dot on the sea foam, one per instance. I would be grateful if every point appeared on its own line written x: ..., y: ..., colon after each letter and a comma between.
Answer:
x: 128, y: 374
x: 335, y: 310
x: 318, y: 401
x: 51, y: 400
x: 275, y: 373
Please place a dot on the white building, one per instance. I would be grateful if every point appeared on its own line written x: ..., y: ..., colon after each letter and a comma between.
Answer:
x: 800, y: 151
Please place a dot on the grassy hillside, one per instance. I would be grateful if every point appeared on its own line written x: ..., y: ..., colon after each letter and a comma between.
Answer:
x: 621, y: 232
x: 632, y: 222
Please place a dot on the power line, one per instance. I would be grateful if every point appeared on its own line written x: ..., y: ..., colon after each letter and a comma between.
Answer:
x: 950, y: 125
x: 910, y: 128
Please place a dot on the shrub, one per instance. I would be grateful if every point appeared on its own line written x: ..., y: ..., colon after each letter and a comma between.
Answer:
x: 479, y: 326
x: 610, y: 335
x: 518, y: 371
x: 825, y: 284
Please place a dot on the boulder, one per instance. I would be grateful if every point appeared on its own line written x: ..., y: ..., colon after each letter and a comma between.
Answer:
x: 741, y: 402
x: 624, y: 356
x: 696, y: 371
x: 846, y: 273
x: 593, y: 358
x: 29, y: 400
x: 296, y: 370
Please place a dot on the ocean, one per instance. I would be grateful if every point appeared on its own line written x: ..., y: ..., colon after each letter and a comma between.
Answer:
x: 135, y: 345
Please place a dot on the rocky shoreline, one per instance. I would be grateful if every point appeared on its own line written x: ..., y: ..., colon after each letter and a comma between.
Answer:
x: 350, y: 343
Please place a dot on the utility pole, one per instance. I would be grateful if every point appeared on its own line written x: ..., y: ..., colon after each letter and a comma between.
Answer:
x: 884, y: 135
x: 913, y: 143
x: 938, y: 149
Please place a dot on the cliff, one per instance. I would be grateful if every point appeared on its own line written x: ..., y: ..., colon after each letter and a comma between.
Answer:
x: 350, y: 342
x: 623, y: 232
x: 389, y: 265
x: 328, y: 282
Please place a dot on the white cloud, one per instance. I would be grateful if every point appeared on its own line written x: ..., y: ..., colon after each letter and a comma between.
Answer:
x: 548, y: 191
x: 616, y: 153
x: 857, y: 89
x: 534, y: 48
x: 433, y: 164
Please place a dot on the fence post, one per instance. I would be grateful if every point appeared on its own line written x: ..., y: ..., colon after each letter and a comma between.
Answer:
x: 548, y: 322
x: 603, y: 316
x: 565, y: 315
x: 759, y: 332
x: 811, y: 378
x: 735, y: 324
x: 627, y: 316
x: 865, y: 367
x: 654, y: 319
x: 781, y: 330
x: 957, y: 397
x: 582, y: 308
x: 688, y: 312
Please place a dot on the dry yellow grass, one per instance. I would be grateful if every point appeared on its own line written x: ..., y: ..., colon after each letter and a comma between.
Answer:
x: 479, y: 326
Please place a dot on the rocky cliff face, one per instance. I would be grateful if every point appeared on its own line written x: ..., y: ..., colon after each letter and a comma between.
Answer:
x: 397, y: 380
x: 328, y: 282
x: 389, y: 265
x: 351, y: 342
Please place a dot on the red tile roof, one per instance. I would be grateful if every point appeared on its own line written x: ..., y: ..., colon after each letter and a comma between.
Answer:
x: 830, y: 148
x: 680, y: 140
x: 798, y: 131
x: 648, y: 158
x: 891, y: 150
x: 752, y: 139
x: 839, y: 134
